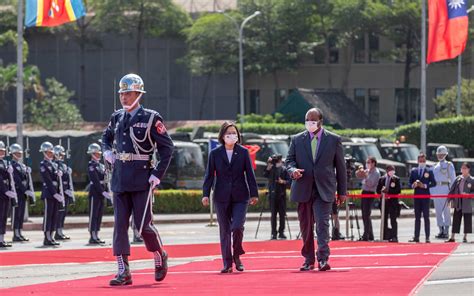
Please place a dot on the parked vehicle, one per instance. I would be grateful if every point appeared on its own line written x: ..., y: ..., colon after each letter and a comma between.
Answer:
x: 457, y: 154
x: 404, y: 153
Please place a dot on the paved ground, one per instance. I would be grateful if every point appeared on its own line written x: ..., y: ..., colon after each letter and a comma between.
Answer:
x: 455, y: 276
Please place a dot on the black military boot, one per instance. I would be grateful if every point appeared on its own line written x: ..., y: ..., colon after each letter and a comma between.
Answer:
x: 161, y: 271
x: 123, y: 277
x: 49, y: 243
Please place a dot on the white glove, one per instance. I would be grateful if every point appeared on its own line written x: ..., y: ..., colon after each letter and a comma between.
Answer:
x: 58, y: 197
x: 11, y: 194
x: 69, y: 171
x: 28, y: 170
x: 109, y: 156
x: 154, y: 181
x: 10, y: 169
x: 30, y: 193
x: 69, y: 192
x: 106, y: 195
x: 59, y: 173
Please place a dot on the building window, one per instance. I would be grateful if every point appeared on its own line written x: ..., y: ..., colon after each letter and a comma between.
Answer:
x: 280, y: 96
x: 253, y: 101
x: 408, y: 108
x: 359, y: 98
x: 320, y: 52
x: 439, y: 92
x: 374, y: 100
x: 373, y: 48
x: 359, y: 51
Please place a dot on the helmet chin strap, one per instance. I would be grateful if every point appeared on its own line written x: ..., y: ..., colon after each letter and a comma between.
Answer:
x: 47, y: 157
x: 133, y: 104
x: 95, y: 157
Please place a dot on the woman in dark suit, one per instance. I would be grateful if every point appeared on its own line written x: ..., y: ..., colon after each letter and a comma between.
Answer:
x: 231, y: 168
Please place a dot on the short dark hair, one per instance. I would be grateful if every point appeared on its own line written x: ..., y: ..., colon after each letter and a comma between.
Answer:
x: 390, y: 168
x: 224, y: 128
x: 372, y: 159
x: 421, y: 155
x: 320, y: 112
x: 466, y: 164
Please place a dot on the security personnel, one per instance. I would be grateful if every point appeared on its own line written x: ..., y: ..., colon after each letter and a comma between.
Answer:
x: 445, y: 175
x: 51, y: 193
x: 5, y: 195
x: 390, y: 184
x: 59, y: 153
x: 97, y: 192
x: 22, y: 186
x: 129, y: 142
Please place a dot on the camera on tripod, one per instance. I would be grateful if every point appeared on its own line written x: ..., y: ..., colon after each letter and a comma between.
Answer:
x: 350, y: 166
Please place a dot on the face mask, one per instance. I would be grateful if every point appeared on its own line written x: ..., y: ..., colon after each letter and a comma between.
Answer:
x: 279, y: 165
x: 391, y: 173
x: 231, y: 139
x: 311, y: 126
x: 465, y: 172
x: 422, y: 165
x: 441, y: 157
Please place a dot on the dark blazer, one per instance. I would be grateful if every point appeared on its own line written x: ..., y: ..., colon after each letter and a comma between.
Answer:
x: 395, y: 180
x: 463, y: 204
x: 328, y: 171
x: 234, y: 181
x: 426, y: 177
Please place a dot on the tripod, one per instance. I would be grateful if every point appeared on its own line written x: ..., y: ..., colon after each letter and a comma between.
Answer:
x: 260, y: 218
x: 353, y: 215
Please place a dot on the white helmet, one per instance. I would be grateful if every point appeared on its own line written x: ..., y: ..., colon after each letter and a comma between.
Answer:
x: 442, y: 150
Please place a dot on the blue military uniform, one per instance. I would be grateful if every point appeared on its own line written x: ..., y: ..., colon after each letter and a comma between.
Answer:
x: 20, y: 176
x: 96, y: 199
x: 49, y: 171
x: 4, y: 199
x: 132, y: 170
x: 68, y: 199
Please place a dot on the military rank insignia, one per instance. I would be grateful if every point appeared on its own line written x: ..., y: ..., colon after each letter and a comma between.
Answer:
x: 160, y: 127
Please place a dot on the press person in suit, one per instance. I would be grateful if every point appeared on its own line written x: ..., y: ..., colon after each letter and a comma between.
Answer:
x: 390, y: 184
x: 316, y: 164
x: 230, y: 167
x: 463, y: 184
x: 421, y: 180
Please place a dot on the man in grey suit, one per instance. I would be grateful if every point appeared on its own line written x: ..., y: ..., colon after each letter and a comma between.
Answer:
x: 316, y: 164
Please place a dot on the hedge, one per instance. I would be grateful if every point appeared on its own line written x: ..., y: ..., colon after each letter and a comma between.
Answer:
x: 171, y: 202
x: 457, y: 130
x: 294, y: 128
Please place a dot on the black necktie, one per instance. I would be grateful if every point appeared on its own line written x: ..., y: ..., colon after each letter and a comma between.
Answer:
x: 126, y: 119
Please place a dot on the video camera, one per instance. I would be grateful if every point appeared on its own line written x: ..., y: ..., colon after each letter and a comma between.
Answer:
x: 275, y: 158
x: 350, y: 165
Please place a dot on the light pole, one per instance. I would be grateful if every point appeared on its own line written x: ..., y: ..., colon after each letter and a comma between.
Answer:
x: 241, y: 57
x: 458, y: 95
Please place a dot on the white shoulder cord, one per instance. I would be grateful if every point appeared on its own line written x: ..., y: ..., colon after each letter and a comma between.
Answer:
x: 147, y: 135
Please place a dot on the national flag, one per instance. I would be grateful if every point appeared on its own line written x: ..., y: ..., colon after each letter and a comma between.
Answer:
x: 51, y: 13
x: 448, y: 28
x: 253, y: 149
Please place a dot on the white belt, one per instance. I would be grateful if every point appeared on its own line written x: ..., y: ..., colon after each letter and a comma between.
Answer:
x: 132, y: 157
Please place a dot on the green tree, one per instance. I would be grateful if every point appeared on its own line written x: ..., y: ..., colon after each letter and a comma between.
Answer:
x: 212, y: 49
x: 446, y: 103
x: 53, y: 110
x: 140, y: 19
x: 402, y: 25
x: 279, y: 38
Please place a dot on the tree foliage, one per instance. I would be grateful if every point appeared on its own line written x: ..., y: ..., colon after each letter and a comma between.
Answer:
x: 446, y: 103
x: 53, y: 110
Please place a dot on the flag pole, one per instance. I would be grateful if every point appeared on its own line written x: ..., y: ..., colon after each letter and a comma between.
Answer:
x: 19, y: 76
x: 458, y: 95
x: 423, y: 77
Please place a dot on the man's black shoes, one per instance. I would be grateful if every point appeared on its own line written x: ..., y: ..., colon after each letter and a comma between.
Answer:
x: 323, y: 266
x: 238, y: 264
x: 307, y: 266
x: 122, y: 279
x: 161, y: 271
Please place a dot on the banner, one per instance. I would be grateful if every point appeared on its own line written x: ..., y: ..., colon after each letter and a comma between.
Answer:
x: 51, y: 13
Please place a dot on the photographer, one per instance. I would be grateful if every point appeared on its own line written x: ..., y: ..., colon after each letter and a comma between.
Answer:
x: 278, y: 181
x: 370, y: 176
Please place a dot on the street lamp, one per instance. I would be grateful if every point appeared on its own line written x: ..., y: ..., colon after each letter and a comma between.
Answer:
x: 241, y: 57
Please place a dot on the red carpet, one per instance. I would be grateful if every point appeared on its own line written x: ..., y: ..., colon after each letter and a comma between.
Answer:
x: 271, y: 268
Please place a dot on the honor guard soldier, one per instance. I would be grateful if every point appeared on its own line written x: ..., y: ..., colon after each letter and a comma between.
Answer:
x: 6, y: 193
x: 59, y: 153
x: 129, y: 142
x: 51, y: 193
x: 23, y: 190
x: 444, y: 174
x: 97, y: 192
